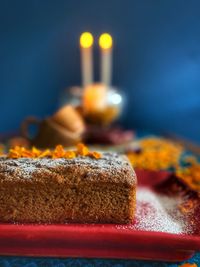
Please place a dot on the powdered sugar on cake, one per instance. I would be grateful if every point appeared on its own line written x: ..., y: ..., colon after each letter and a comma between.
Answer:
x: 26, y: 167
x: 159, y: 213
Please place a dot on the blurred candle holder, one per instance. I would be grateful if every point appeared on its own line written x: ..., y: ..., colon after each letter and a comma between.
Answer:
x: 104, y: 107
x: 98, y: 104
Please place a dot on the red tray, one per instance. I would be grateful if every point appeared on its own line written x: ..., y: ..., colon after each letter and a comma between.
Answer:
x: 160, y: 231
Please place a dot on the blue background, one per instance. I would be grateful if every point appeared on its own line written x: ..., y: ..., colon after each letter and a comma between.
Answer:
x: 156, y: 58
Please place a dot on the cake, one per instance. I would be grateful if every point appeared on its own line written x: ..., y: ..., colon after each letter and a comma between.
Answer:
x: 80, y: 189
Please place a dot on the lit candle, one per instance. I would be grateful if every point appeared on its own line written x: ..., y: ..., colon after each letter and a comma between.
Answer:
x: 86, y: 42
x: 105, y: 43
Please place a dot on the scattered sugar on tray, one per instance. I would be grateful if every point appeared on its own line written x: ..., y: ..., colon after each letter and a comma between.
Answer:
x: 159, y: 213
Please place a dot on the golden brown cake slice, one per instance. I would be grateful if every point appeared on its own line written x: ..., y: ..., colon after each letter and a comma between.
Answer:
x: 81, y: 189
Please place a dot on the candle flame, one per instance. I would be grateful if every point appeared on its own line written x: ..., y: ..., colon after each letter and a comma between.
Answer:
x: 86, y: 40
x: 105, y: 41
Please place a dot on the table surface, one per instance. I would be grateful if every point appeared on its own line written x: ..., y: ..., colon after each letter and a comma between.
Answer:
x: 70, y: 262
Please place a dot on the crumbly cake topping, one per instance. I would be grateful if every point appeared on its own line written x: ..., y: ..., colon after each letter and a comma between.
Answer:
x: 93, y: 169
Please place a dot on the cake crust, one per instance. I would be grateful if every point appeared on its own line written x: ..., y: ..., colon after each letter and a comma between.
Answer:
x: 82, y: 189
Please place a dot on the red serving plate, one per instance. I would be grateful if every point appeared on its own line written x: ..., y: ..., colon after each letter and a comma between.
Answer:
x: 160, y: 231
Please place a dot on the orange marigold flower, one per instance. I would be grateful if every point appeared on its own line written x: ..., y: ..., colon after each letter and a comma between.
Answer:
x: 188, y: 206
x: 1, y: 149
x: 35, y: 152
x: 188, y: 265
x: 27, y: 154
x: 82, y: 150
x: 58, y: 152
x: 95, y: 155
x: 45, y: 153
x: 155, y: 154
x: 70, y: 154
x: 16, y: 152
x: 13, y: 154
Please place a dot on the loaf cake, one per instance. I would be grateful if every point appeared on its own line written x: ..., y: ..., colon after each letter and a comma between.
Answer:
x: 82, y: 189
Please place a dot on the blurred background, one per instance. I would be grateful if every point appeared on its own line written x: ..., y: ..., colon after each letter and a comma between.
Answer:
x: 156, y: 59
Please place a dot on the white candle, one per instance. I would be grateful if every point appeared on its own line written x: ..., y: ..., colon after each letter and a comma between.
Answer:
x: 86, y: 42
x: 105, y: 43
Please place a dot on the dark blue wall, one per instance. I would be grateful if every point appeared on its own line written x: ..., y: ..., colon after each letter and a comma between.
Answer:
x: 156, y: 58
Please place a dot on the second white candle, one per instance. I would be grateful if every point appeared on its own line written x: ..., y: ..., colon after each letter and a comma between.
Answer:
x: 105, y: 43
